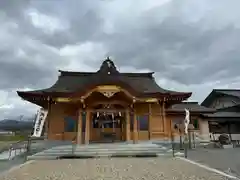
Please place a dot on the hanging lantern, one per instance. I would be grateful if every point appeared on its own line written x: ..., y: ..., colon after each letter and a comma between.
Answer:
x: 119, y: 113
x: 97, y: 114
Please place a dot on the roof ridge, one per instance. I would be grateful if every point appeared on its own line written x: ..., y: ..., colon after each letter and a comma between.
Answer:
x: 226, y: 89
x: 75, y: 73
x: 189, y: 102
x: 131, y: 74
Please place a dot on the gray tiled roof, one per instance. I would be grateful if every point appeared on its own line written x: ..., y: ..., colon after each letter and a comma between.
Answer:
x: 223, y: 115
x: 142, y: 83
x: 192, y: 107
x: 230, y: 92
x: 215, y: 92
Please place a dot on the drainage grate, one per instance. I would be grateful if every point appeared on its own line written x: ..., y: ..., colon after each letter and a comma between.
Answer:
x: 134, y: 156
x: 75, y: 157
x: 143, y: 155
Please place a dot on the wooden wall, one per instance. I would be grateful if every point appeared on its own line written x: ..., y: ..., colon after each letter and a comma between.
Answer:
x: 157, y: 128
x: 56, y: 121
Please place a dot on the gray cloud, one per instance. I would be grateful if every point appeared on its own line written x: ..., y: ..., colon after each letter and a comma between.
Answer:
x: 163, y: 47
x: 188, y: 43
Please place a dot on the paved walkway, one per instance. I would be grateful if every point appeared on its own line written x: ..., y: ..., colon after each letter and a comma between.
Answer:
x: 161, y: 168
x: 226, y: 160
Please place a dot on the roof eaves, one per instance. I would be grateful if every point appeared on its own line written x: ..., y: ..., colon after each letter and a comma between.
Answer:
x: 208, y: 98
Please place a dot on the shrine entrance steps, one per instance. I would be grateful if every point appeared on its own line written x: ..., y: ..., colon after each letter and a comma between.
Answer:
x: 102, y: 150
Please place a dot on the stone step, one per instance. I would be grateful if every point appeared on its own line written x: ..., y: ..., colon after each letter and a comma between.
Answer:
x: 105, y: 149
x: 98, y: 151
x: 92, y: 150
x: 101, y: 155
x: 102, y: 150
x: 93, y: 154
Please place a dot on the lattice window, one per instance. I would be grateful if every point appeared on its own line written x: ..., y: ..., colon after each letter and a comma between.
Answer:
x: 143, y: 122
x: 70, y: 124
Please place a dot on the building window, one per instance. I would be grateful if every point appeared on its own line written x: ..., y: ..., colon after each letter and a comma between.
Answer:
x: 84, y: 121
x: 195, y: 124
x: 143, y: 122
x: 131, y: 122
x: 70, y: 124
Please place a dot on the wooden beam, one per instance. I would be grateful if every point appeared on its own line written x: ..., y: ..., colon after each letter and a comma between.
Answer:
x: 107, y: 110
x: 113, y: 102
x: 74, y: 99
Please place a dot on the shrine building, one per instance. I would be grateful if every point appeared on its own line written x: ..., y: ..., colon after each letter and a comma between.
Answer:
x: 110, y: 106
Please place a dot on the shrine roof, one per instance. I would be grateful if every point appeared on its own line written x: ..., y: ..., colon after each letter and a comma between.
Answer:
x: 139, y: 83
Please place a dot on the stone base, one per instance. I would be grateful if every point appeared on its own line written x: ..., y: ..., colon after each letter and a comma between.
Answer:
x: 229, y: 146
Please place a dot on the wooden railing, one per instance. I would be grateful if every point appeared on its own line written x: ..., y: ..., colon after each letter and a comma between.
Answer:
x: 20, y: 145
x: 24, y: 146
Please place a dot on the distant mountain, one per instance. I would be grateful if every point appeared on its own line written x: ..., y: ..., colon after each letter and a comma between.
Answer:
x: 13, y: 125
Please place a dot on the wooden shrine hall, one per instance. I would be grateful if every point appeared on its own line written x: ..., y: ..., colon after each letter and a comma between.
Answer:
x: 108, y: 106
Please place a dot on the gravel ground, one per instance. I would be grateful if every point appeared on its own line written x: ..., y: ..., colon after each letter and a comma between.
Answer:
x: 111, y: 169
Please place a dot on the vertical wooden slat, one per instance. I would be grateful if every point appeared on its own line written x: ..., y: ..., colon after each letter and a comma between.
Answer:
x: 164, y: 118
x: 161, y: 114
x: 149, y: 120
x: 79, y: 132
x: 47, y: 125
x: 135, y: 127
x: 87, y: 127
x: 128, y: 131
x: 46, y: 128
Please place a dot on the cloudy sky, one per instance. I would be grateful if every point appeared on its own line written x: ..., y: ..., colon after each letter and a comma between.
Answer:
x: 192, y: 45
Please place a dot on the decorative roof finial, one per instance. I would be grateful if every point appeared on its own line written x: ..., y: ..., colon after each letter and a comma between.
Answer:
x: 108, y: 61
x: 108, y: 66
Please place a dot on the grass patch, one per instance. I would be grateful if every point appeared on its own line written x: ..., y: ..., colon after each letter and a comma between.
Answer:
x: 5, y: 138
x: 4, y: 144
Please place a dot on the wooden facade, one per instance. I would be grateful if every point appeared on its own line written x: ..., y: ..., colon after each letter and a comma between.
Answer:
x: 158, y: 123
x: 80, y: 104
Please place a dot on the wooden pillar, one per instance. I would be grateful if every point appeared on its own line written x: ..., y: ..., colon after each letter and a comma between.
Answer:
x: 229, y: 130
x: 149, y: 120
x: 87, y: 127
x: 135, y: 127
x: 47, y: 123
x: 79, y: 132
x: 46, y: 128
x: 164, y: 119
x: 128, y: 131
